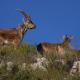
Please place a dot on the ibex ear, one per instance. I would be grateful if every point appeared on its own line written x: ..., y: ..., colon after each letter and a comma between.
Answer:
x: 71, y: 37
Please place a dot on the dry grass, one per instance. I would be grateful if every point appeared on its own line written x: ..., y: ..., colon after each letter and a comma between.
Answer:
x: 26, y: 54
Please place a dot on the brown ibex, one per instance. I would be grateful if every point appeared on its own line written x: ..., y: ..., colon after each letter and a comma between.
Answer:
x: 46, y: 47
x: 13, y: 36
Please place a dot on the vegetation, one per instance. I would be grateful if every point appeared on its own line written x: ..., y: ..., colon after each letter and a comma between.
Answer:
x: 27, y: 54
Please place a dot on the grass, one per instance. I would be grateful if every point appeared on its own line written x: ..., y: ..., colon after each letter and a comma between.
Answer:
x: 26, y: 54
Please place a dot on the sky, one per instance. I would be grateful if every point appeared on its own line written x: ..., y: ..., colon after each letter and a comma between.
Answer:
x: 53, y: 18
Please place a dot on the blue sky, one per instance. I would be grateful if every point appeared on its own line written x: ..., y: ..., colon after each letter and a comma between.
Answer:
x: 54, y: 18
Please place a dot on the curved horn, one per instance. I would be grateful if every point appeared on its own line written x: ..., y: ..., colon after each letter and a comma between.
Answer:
x: 71, y: 37
x: 25, y: 15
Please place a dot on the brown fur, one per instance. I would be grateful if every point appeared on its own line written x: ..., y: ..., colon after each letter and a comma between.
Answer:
x: 46, y: 47
x: 15, y: 35
x: 11, y: 36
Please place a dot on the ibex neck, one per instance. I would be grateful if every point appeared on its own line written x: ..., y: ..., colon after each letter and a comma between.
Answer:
x: 22, y: 29
x: 66, y: 43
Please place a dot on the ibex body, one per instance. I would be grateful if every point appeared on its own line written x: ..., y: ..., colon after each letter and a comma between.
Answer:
x: 46, y: 47
x: 15, y: 35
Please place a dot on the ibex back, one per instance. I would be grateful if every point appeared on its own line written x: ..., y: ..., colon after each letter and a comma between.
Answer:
x: 14, y: 36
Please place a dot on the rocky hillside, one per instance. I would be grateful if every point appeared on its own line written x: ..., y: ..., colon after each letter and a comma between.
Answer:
x: 26, y: 63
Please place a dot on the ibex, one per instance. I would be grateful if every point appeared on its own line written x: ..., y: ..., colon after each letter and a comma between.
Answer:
x: 46, y: 47
x: 13, y: 36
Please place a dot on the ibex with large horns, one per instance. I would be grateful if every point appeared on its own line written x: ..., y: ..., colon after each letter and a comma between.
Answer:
x: 46, y: 47
x: 14, y: 36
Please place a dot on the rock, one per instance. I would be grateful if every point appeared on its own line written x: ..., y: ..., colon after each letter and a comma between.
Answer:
x: 41, y: 63
x: 75, y: 68
x: 10, y: 66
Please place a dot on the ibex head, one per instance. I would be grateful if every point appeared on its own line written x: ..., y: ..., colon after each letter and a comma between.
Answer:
x: 67, y: 39
x: 27, y: 20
